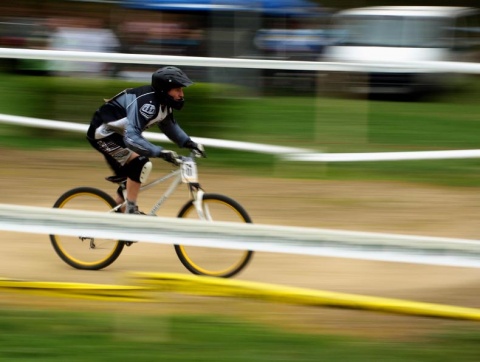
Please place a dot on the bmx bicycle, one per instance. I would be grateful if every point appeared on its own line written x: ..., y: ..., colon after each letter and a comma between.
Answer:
x: 88, y: 253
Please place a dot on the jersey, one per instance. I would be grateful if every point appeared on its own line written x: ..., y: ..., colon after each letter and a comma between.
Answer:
x: 129, y: 114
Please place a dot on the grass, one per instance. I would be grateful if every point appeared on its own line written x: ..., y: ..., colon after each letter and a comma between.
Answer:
x: 352, y: 125
x: 109, y: 336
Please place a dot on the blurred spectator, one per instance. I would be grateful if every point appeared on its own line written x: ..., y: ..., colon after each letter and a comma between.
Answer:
x: 82, y: 34
x: 166, y: 38
x: 21, y: 32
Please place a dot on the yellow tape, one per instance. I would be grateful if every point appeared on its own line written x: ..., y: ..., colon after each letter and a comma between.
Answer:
x: 210, y: 286
x: 78, y: 290
x: 191, y: 284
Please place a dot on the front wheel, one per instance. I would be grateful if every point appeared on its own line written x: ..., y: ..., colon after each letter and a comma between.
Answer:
x: 214, y: 261
x: 84, y: 251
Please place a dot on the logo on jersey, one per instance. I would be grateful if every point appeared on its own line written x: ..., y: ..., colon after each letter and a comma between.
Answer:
x: 148, y: 110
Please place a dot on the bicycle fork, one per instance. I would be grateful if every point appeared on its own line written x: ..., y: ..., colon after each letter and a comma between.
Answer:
x: 202, y: 209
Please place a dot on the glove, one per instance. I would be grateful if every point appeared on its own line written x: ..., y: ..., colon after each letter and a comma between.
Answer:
x: 197, y: 148
x: 169, y: 156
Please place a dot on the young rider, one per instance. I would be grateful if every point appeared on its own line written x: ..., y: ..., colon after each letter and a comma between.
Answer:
x: 117, y: 126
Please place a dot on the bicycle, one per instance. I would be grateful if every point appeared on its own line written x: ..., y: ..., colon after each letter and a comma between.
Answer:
x: 88, y: 253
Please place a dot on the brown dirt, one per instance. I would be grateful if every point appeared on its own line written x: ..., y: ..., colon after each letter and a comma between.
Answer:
x: 38, y: 178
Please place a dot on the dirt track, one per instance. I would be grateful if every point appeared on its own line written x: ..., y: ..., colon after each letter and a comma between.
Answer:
x: 37, y: 179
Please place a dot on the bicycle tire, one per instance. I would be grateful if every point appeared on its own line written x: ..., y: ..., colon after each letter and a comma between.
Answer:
x: 99, y: 253
x: 196, y: 259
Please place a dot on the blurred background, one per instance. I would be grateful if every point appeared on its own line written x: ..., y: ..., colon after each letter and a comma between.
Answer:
x: 375, y: 111
x: 254, y: 29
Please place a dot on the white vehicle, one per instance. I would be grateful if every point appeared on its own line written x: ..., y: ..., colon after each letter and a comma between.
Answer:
x: 389, y: 34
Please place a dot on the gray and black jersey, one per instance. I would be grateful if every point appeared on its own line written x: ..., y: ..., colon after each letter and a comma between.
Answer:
x: 130, y: 113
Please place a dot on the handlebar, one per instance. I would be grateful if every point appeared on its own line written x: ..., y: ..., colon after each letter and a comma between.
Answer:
x: 191, y: 157
x: 182, y: 159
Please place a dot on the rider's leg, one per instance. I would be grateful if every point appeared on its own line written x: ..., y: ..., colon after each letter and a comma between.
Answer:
x: 133, y: 189
x: 139, y: 168
x: 119, y: 199
x: 124, y: 162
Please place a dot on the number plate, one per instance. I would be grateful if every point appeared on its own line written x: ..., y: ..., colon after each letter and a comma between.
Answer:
x: 189, y: 172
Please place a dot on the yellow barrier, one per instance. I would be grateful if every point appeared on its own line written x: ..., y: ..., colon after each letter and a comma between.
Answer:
x: 117, y: 293
x: 209, y: 286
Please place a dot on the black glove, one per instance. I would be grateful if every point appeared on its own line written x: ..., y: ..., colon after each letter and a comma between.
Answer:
x: 197, y: 148
x: 169, y: 156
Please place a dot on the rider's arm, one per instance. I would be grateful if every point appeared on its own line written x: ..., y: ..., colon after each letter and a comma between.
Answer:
x: 173, y: 131
x: 136, y: 142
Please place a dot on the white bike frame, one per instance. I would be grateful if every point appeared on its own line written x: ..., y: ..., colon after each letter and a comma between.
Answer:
x: 186, y: 173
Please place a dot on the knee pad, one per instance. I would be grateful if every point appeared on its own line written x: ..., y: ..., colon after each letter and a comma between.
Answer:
x: 139, y: 169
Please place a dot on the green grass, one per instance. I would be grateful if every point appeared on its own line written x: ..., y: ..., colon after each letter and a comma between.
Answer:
x: 351, y: 125
x: 109, y: 336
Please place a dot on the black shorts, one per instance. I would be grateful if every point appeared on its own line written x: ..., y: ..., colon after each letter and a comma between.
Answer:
x: 115, y: 152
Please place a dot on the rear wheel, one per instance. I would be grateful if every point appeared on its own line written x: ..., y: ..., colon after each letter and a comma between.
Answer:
x: 216, y: 262
x: 83, y: 251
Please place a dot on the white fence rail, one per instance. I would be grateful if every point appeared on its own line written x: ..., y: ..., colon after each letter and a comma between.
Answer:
x: 265, y: 238
x: 427, y: 66
x: 82, y: 128
x: 381, y: 156
x: 286, y: 153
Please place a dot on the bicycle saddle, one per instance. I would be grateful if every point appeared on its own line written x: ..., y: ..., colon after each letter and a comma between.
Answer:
x: 116, y: 179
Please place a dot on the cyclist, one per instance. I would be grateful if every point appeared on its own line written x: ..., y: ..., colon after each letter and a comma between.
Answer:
x: 116, y: 130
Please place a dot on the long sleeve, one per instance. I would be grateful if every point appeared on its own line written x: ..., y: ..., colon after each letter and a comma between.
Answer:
x: 136, y: 142
x: 173, y: 131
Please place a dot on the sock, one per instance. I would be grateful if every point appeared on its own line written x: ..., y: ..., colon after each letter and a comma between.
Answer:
x: 131, y: 207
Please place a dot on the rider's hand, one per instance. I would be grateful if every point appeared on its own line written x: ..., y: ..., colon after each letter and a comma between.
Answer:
x: 169, y: 156
x: 197, y: 148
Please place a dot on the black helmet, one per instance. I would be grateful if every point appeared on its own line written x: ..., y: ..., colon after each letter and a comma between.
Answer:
x: 167, y: 78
